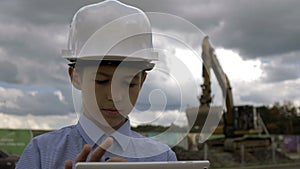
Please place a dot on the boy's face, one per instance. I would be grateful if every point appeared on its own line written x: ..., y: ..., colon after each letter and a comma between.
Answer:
x: 109, y: 93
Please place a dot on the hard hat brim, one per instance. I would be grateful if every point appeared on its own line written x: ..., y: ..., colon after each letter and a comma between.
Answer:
x: 139, y: 63
x: 113, y: 58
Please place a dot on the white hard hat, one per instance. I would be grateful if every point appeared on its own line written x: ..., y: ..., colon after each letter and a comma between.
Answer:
x: 110, y: 30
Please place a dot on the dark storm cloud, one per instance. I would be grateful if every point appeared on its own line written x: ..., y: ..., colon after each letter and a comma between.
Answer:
x: 254, y: 28
x: 261, y: 28
x: 275, y: 73
x: 8, y: 72
x: 41, y: 12
x: 32, y: 33
x: 281, y: 68
x: 41, y: 103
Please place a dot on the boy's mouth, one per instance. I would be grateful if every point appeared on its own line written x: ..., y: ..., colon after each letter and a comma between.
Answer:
x: 110, y: 112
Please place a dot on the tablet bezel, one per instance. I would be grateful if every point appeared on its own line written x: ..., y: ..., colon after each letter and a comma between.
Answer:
x: 199, y: 164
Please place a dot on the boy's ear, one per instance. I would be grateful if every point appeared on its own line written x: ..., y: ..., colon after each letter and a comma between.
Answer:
x: 75, y: 78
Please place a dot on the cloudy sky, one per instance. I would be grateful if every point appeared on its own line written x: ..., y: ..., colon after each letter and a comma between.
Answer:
x: 257, y: 43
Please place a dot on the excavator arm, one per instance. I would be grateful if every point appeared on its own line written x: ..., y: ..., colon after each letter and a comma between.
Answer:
x: 210, y: 61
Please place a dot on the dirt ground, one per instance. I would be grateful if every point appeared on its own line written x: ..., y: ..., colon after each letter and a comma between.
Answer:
x: 224, y: 159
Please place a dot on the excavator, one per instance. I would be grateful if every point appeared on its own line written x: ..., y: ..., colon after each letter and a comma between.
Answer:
x: 241, y: 125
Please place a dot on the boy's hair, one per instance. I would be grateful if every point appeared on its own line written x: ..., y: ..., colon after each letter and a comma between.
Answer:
x: 143, y: 66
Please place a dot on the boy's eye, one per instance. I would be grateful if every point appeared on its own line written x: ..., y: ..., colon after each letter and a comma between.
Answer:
x: 132, y: 84
x: 129, y: 84
x: 101, y: 81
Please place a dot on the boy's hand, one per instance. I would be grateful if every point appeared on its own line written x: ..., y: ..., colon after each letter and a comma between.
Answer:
x: 96, y: 155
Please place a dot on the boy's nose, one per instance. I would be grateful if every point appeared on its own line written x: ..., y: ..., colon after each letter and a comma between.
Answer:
x: 114, y: 95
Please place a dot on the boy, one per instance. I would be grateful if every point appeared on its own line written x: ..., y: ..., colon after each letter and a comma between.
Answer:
x: 110, y: 49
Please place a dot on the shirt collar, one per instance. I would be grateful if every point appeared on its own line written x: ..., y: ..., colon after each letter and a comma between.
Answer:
x: 123, y: 135
x: 91, y: 133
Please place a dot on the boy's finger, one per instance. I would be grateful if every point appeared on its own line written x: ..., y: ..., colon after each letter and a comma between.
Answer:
x: 68, y: 164
x: 82, y: 156
x: 116, y: 159
x: 100, y: 150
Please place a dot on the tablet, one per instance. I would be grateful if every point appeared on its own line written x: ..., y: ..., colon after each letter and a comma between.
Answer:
x: 202, y: 164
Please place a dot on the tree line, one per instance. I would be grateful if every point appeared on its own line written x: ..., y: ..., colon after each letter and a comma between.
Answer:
x: 281, y: 118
